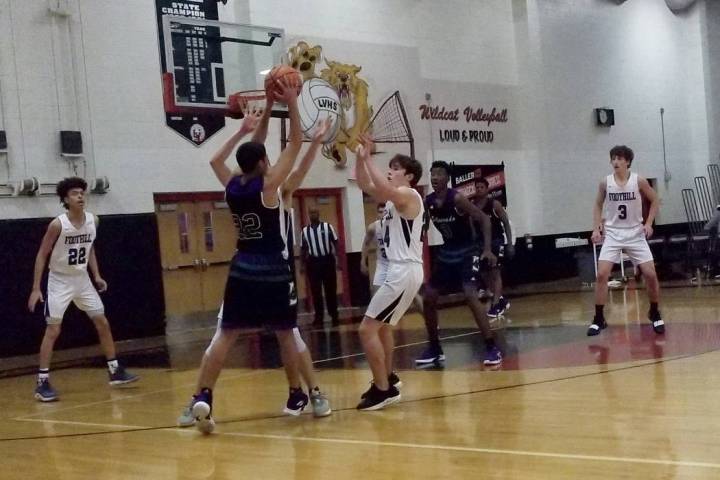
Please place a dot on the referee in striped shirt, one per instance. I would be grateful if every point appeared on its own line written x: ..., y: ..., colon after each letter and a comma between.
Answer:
x: 318, y: 244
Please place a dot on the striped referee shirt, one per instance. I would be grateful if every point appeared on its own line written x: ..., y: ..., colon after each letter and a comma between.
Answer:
x: 319, y: 240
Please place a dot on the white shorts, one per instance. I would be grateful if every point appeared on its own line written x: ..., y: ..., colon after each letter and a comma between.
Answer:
x: 392, y: 300
x: 63, y: 289
x: 381, y: 268
x: 630, y: 241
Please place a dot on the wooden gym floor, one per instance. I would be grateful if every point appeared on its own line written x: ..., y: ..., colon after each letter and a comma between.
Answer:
x: 626, y: 404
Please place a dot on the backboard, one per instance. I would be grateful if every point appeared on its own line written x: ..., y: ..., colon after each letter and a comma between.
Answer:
x: 207, y: 61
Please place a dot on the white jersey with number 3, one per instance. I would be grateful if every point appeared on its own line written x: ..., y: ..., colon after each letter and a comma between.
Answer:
x: 623, y: 204
x: 402, y: 237
x: 71, y: 252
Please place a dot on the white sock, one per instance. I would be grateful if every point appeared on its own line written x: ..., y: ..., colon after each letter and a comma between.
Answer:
x: 112, y: 365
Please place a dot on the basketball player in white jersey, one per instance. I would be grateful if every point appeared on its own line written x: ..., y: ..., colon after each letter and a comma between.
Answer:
x: 402, y: 230
x: 624, y: 231
x: 374, y: 240
x: 318, y: 401
x: 69, y: 243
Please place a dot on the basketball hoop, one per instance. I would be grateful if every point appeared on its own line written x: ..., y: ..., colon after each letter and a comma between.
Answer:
x: 248, y: 100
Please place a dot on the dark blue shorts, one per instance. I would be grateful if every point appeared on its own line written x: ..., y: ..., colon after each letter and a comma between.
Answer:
x: 260, y: 292
x: 452, y: 269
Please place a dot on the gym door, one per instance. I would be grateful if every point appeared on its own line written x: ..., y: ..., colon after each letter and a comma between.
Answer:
x: 197, y: 242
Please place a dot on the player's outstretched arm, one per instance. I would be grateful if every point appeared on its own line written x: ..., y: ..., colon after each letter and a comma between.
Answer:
x: 404, y: 198
x: 260, y: 134
x: 597, y: 213
x: 278, y: 173
x: 362, y: 158
x: 217, y: 162
x: 297, y: 176
x: 46, y: 246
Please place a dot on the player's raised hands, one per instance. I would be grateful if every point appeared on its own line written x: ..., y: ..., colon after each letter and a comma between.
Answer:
x: 366, y: 146
x: 252, y: 115
x: 288, y: 92
x: 321, y: 130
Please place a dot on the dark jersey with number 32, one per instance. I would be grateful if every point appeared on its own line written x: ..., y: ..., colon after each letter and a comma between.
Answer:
x: 260, y: 228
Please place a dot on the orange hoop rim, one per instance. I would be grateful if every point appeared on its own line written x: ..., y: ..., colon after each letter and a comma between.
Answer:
x: 250, y: 95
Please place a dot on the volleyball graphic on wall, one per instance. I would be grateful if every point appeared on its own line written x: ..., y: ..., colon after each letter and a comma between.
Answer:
x: 318, y: 101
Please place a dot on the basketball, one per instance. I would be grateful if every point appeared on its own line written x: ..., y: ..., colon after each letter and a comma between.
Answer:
x: 283, y: 73
x: 318, y: 102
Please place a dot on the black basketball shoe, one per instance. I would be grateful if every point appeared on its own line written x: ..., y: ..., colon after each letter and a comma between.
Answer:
x: 657, y: 322
x: 376, y: 399
x: 596, y: 326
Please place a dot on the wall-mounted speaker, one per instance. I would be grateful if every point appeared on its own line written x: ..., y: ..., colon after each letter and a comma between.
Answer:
x: 70, y: 142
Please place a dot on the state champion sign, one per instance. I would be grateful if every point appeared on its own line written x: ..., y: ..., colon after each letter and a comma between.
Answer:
x: 475, y: 124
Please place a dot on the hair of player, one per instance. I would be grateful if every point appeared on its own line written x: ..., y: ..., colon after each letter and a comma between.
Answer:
x: 441, y: 164
x: 249, y: 154
x: 410, y: 165
x: 380, y: 205
x: 484, y: 181
x: 622, y: 151
x: 67, y: 184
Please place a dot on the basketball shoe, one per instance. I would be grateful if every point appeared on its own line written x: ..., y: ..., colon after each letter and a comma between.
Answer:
x: 202, y: 411
x: 186, y: 417
x: 45, y: 392
x: 493, y: 356
x: 296, y: 403
x: 499, y: 308
x: 393, y: 381
x: 657, y: 322
x: 375, y: 399
x: 432, y: 354
x: 597, y: 325
x: 320, y: 403
x: 121, y: 376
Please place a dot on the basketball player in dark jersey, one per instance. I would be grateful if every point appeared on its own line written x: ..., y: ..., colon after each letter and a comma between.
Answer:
x: 298, y: 401
x: 260, y: 290
x: 457, y: 264
x: 500, y: 231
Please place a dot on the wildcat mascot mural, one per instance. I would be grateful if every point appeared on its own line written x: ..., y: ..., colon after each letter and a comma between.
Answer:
x: 352, y: 91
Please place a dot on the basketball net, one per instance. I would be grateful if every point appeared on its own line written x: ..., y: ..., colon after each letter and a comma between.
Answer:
x: 390, y: 123
x: 246, y: 101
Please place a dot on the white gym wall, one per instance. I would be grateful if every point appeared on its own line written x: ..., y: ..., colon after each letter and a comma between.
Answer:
x: 549, y: 63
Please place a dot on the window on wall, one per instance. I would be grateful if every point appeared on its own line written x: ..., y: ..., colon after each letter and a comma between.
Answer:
x: 208, y: 231
x: 183, y: 227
